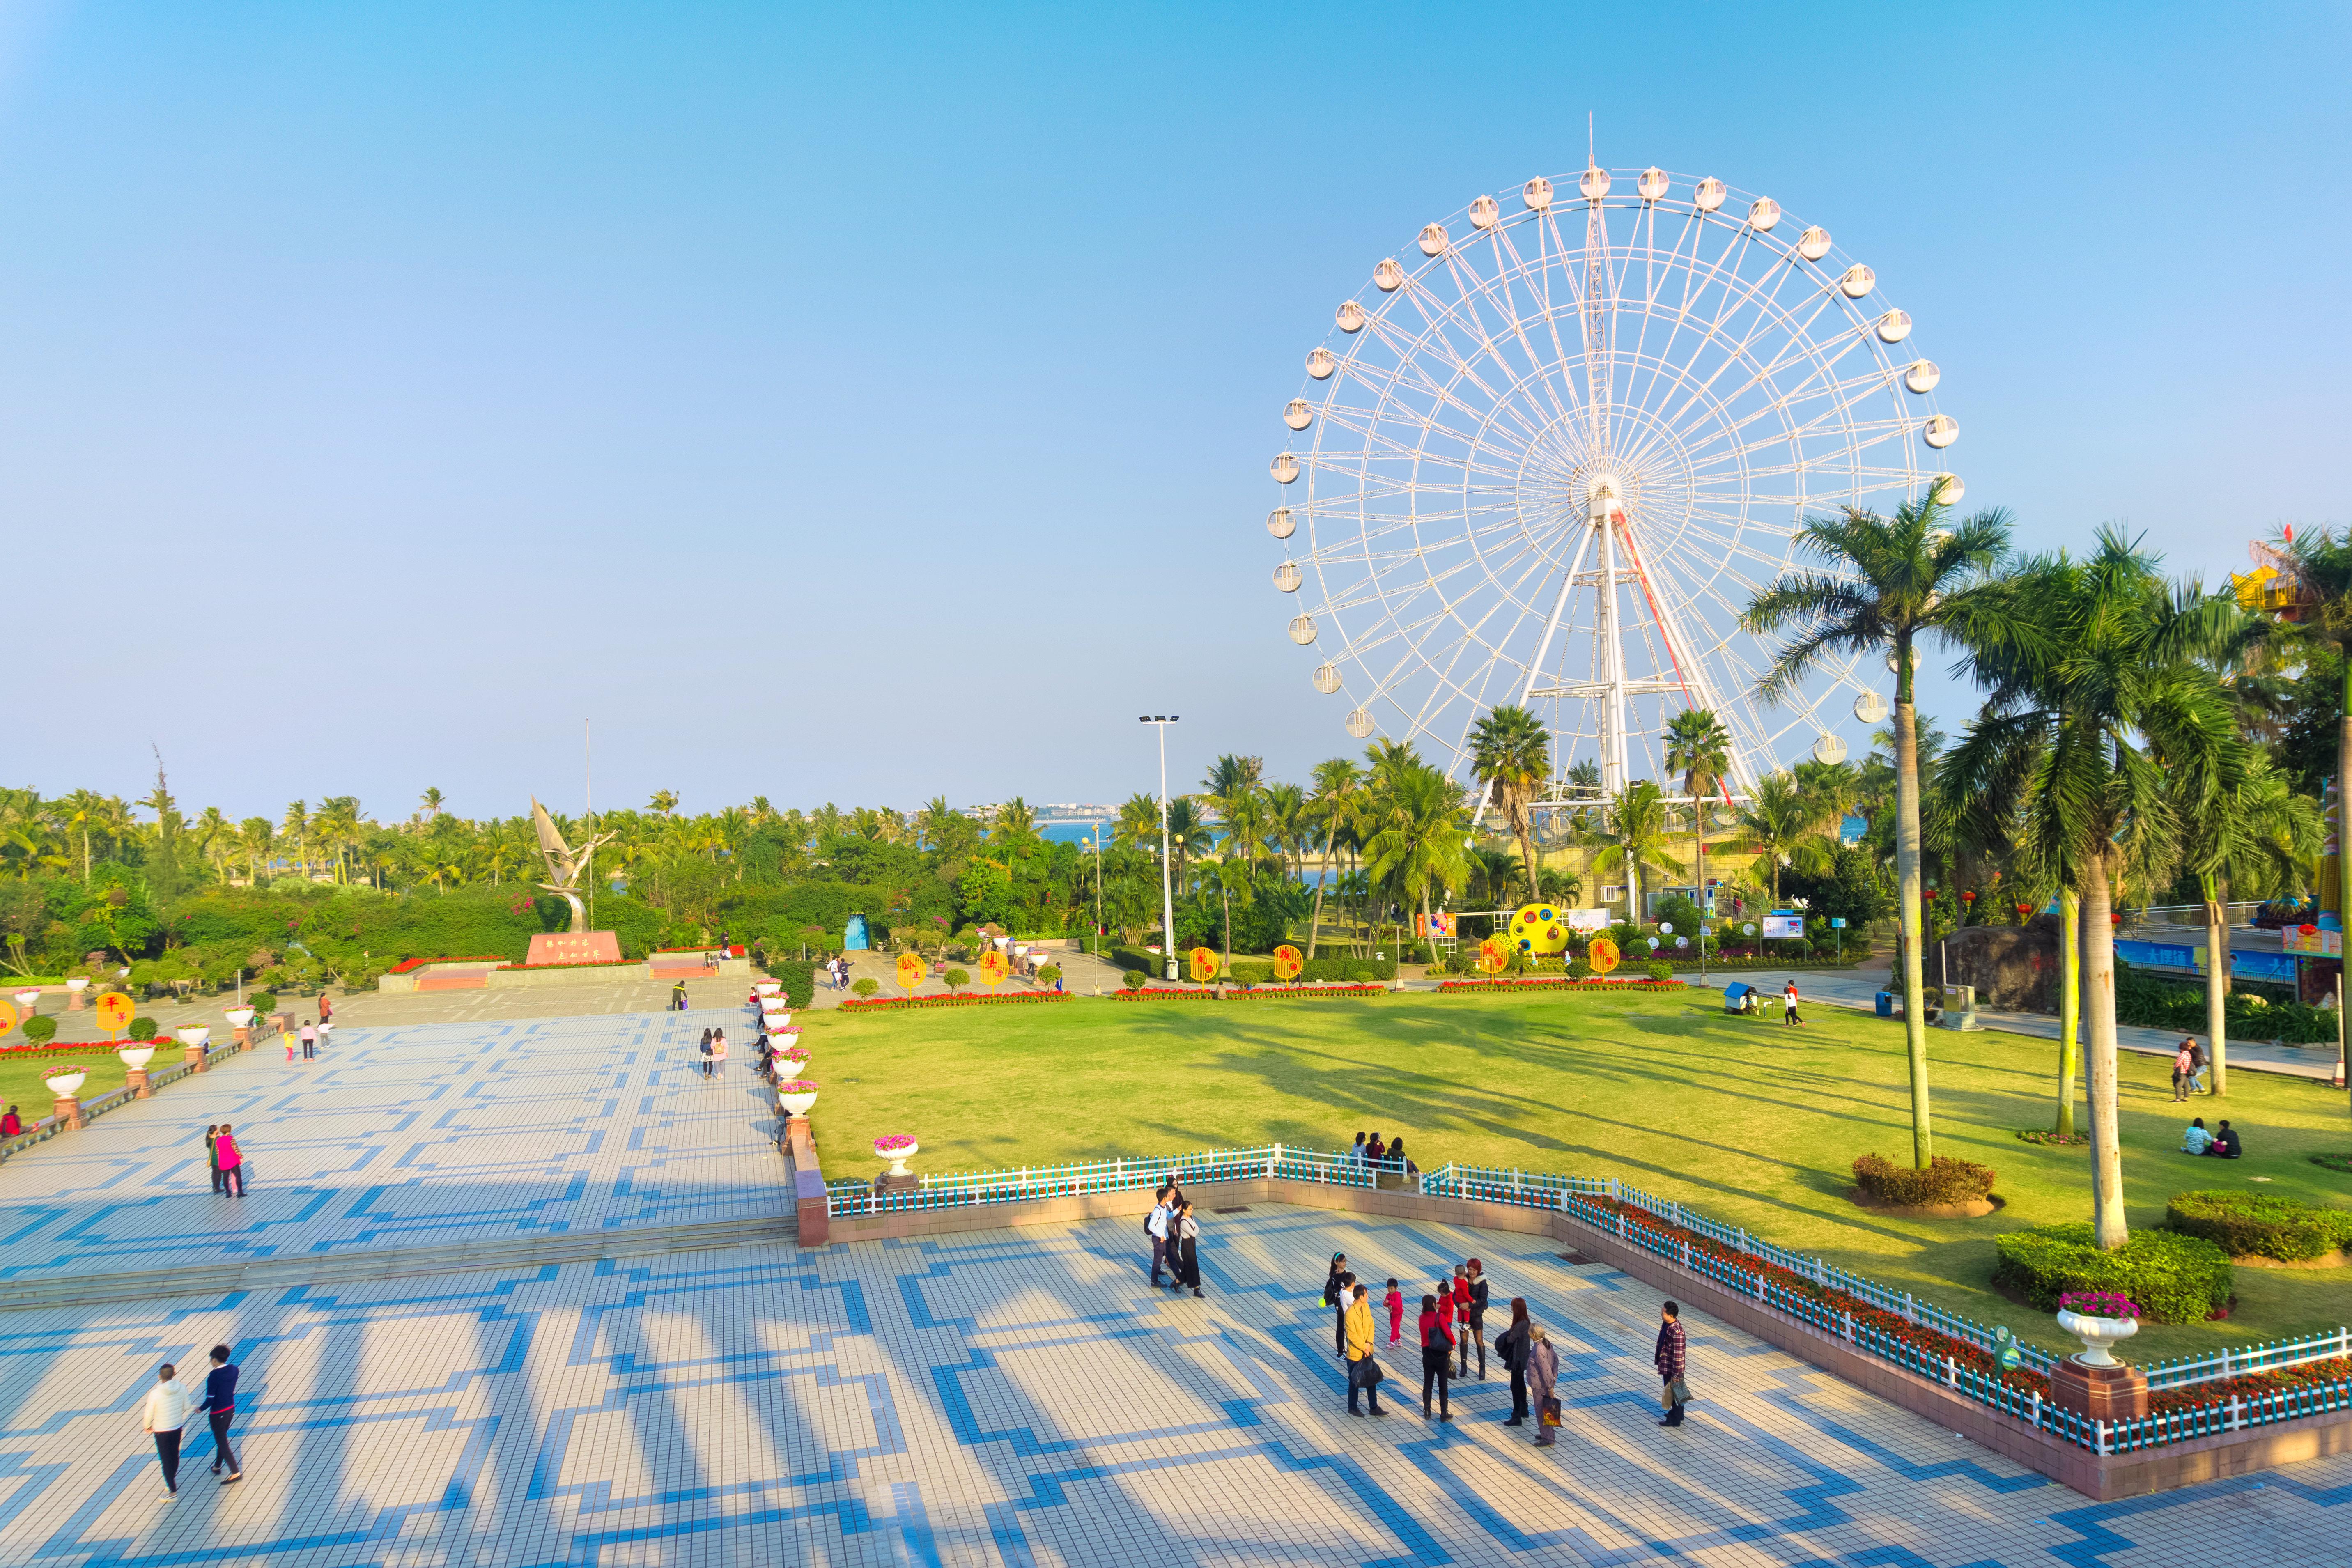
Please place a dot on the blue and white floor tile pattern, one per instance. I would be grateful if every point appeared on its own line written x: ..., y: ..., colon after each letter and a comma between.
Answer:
x: 1004, y: 1397
x: 420, y: 1136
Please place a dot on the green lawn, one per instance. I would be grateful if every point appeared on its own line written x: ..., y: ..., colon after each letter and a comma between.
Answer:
x: 21, y: 1085
x: 1753, y: 1123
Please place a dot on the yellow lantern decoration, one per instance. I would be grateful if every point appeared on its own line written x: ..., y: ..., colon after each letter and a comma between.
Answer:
x: 116, y: 1010
x: 1287, y: 963
x: 1604, y: 955
x: 1539, y: 929
x: 993, y: 967
x: 1205, y: 964
x: 911, y: 970
x: 1494, y: 957
x: 7, y: 1018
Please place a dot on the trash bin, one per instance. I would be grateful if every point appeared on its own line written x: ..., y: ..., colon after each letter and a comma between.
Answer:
x: 1886, y: 1004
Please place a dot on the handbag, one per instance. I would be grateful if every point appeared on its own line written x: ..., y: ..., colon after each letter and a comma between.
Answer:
x: 1549, y: 1413
x: 1675, y: 1393
x: 1366, y: 1373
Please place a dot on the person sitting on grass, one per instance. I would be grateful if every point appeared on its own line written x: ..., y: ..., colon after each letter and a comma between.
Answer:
x: 2196, y: 1140
x: 2225, y: 1143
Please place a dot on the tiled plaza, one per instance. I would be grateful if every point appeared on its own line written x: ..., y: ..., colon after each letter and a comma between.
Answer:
x: 1015, y: 1397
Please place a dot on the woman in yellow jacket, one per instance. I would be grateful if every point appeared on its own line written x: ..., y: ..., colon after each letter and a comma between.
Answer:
x: 1363, y: 1371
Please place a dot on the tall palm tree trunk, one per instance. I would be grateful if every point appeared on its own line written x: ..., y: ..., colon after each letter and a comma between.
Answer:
x: 1906, y: 870
x: 1315, y: 920
x: 2108, y: 1228
x: 2070, y: 1007
x: 2217, y: 979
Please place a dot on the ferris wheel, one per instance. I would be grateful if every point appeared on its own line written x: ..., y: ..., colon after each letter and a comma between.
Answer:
x: 1549, y: 456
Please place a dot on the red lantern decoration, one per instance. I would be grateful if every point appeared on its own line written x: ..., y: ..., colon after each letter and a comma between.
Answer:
x: 2025, y: 909
x: 1969, y: 897
x: 1929, y: 895
x: 2308, y: 930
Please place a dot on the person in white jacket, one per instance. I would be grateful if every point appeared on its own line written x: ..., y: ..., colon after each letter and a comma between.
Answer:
x: 168, y: 1406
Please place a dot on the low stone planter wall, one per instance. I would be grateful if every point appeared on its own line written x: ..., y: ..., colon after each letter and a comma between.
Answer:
x: 2101, y: 1476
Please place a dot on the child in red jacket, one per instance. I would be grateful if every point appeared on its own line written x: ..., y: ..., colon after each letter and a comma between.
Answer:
x: 1396, y: 1313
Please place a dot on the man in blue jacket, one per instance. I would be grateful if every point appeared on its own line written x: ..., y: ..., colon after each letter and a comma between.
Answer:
x: 220, y: 1404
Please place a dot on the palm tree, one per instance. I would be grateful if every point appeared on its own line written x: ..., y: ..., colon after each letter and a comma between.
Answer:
x: 1885, y: 582
x: 2097, y: 694
x: 256, y: 837
x: 1634, y: 838
x: 664, y: 804
x: 1510, y: 751
x: 211, y: 831
x: 1189, y: 838
x: 1333, y: 798
x: 1229, y: 774
x: 1418, y: 847
x: 2257, y: 837
x: 2319, y: 570
x: 1699, y: 748
x: 84, y: 809
x: 1786, y: 826
x: 1138, y: 823
x: 296, y: 827
x: 1288, y: 826
x: 430, y: 800
x: 1014, y: 828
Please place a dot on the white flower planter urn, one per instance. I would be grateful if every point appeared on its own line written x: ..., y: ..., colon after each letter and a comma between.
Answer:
x: 897, y: 1157
x: 2098, y: 1334
x: 66, y: 1084
x: 767, y: 987
x: 193, y: 1035
x: 778, y: 1020
x: 238, y: 1017
x: 77, y: 983
x: 797, y: 1104
x: 136, y: 1056
x: 28, y: 998
x: 794, y: 1062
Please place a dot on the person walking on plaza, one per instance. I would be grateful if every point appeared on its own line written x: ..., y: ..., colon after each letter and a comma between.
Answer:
x: 1543, y: 1383
x: 1789, y: 1004
x: 1396, y: 1313
x: 212, y: 1156
x: 1155, y: 1226
x: 719, y: 1053
x: 310, y: 1040
x: 1436, y: 1356
x: 286, y: 1038
x: 168, y: 1407
x: 1335, y: 1297
x: 677, y: 996
x: 1475, y: 1306
x: 1672, y: 1357
x: 1511, y: 1346
x: 220, y: 1406
x: 1186, y: 1249
x: 1364, y: 1372
x: 704, y: 1048
x: 2184, y: 1064
x: 326, y: 1010
x: 232, y: 1161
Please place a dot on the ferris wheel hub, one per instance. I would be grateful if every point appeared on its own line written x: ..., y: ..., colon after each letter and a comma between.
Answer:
x: 1605, y: 494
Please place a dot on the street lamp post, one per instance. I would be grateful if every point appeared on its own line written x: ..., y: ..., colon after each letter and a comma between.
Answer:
x: 1167, y: 888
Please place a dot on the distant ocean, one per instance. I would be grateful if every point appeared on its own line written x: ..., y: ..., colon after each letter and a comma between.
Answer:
x: 1073, y: 832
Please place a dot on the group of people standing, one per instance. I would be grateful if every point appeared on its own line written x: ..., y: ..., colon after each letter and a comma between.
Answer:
x: 2189, y: 1064
x: 836, y: 972
x: 1175, y: 1239
x: 1452, y: 1321
x: 226, y: 1160
x: 714, y: 1053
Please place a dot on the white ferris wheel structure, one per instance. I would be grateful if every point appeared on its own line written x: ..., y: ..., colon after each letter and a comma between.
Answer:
x: 1549, y: 456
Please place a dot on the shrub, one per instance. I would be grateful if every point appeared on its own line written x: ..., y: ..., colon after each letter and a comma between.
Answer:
x: 956, y: 979
x: 1134, y: 979
x: 263, y: 1003
x: 143, y: 1027
x: 2258, y: 1225
x: 40, y: 1029
x: 1048, y: 973
x: 798, y: 977
x: 867, y: 987
x: 1946, y: 1180
x: 1659, y: 971
x: 2175, y: 1278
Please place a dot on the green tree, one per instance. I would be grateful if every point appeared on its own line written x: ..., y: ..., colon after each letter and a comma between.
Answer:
x: 1333, y: 799
x: 2096, y: 691
x: 1632, y: 838
x: 1882, y: 584
x: 1417, y: 848
x: 1788, y: 827
x: 1510, y: 751
x: 1699, y: 748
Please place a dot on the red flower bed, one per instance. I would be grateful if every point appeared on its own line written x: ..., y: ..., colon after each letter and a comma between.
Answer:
x: 1254, y: 994
x: 1894, y: 1325
x: 894, y: 1004
x: 405, y: 964
x: 1444, y: 986
x: 2253, y: 1385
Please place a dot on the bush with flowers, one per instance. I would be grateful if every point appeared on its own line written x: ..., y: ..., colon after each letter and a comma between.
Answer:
x: 904, y: 1004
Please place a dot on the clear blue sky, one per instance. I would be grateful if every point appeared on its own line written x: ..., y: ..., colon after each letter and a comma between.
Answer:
x: 873, y: 403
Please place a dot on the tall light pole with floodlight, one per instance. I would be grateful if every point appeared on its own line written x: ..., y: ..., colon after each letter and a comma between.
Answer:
x: 1167, y: 888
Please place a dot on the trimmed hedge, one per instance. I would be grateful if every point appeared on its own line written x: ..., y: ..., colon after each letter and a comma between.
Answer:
x: 798, y: 976
x: 1946, y: 1180
x: 2175, y: 1278
x: 2257, y: 1225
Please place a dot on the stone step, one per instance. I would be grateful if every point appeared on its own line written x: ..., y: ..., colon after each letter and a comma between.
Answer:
x: 394, y: 1262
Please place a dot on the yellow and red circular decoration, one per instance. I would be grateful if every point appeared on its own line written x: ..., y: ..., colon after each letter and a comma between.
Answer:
x: 116, y: 1010
x: 1205, y: 964
x: 1493, y: 954
x: 1287, y: 963
x: 993, y: 967
x: 1539, y: 929
x: 1604, y: 955
x: 8, y: 1017
x: 911, y: 970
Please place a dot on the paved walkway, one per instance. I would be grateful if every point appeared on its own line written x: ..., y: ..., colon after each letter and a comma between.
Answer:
x: 1015, y: 1397
x: 1860, y: 987
x: 412, y: 1135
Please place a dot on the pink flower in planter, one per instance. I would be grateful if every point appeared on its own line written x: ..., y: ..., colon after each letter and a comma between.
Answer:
x: 2098, y: 1304
x: 796, y: 1086
x: 884, y: 1145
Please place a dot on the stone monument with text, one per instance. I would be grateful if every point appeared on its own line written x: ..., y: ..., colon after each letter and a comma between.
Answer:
x: 568, y: 869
